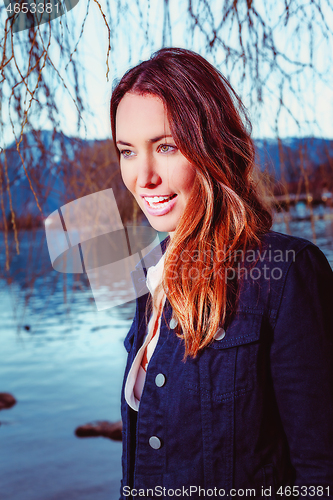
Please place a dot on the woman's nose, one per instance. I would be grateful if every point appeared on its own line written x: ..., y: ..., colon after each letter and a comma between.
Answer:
x: 148, y: 175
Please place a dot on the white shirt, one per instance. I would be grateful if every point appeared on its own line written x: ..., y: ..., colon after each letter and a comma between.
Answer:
x: 137, y: 375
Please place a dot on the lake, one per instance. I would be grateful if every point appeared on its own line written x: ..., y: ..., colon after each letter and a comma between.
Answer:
x: 63, y: 361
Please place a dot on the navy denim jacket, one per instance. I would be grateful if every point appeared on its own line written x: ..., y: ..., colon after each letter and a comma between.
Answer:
x: 253, y: 410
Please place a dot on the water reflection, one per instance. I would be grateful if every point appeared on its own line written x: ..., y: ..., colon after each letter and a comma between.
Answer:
x: 315, y: 225
x: 66, y: 370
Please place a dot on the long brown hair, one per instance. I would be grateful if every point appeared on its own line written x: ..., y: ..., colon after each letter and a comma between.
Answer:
x: 224, y: 214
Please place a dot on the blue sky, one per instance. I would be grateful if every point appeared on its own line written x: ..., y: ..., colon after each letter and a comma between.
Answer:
x: 130, y: 45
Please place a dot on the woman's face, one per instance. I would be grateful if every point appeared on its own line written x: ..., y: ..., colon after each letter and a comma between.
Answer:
x: 152, y: 167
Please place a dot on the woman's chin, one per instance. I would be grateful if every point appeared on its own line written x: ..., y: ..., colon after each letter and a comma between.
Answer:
x: 160, y: 225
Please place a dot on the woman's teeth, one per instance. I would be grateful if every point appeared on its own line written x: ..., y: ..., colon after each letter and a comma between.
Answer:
x: 159, y: 200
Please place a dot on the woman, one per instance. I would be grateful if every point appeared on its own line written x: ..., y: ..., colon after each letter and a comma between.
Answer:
x: 228, y: 388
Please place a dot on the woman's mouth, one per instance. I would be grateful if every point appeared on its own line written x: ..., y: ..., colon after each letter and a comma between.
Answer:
x: 159, y: 205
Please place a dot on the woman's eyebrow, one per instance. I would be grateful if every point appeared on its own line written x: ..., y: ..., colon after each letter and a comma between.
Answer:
x: 125, y: 143
x: 154, y: 139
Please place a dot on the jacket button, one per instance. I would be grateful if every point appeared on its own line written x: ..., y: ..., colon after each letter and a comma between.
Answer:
x: 220, y: 334
x: 160, y: 380
x: 155, y: 442
x: 173, y: 323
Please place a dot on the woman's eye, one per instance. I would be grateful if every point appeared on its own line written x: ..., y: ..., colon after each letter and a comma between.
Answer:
x: 166, y: 148
x: 126, y: 153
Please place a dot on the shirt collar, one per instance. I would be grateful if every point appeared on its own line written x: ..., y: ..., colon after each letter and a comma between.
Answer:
x: 151, y: 259
x: 154, y: 275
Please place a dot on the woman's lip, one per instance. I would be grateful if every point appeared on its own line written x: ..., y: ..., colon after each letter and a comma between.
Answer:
x: 160, y: 211
x: 156, y: 195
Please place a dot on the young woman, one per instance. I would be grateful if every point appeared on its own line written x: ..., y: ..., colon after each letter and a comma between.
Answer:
x: 228, y: 389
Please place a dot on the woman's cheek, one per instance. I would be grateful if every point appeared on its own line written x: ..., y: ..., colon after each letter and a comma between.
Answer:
x: 128, y: 180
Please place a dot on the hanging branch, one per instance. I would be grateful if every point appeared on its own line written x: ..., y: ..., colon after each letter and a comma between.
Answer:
x: 269, y: 50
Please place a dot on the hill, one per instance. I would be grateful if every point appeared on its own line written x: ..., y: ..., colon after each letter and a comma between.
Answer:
x: 63, y: 168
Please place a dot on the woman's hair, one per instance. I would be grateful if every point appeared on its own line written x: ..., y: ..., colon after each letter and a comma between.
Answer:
x: 224, y: 215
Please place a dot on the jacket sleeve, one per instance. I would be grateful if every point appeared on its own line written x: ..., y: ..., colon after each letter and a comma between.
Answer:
x: 302, y: 367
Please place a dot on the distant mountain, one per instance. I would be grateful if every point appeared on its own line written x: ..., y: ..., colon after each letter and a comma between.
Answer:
x: 43, y: 153
x: 59, y: 168
x: 292, y: 152
x: 63, y: 168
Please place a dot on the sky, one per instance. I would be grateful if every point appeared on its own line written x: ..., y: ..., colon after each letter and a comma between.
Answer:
x: 130, y: 45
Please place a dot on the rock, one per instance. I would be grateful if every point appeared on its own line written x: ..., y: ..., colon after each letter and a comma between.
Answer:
x: 104, y: 428
x: 6, y: 400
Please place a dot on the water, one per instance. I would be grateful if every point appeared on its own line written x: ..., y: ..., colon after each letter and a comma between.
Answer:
x: 64, y: 372
x: 319, y: 230
x: 67, y: 371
